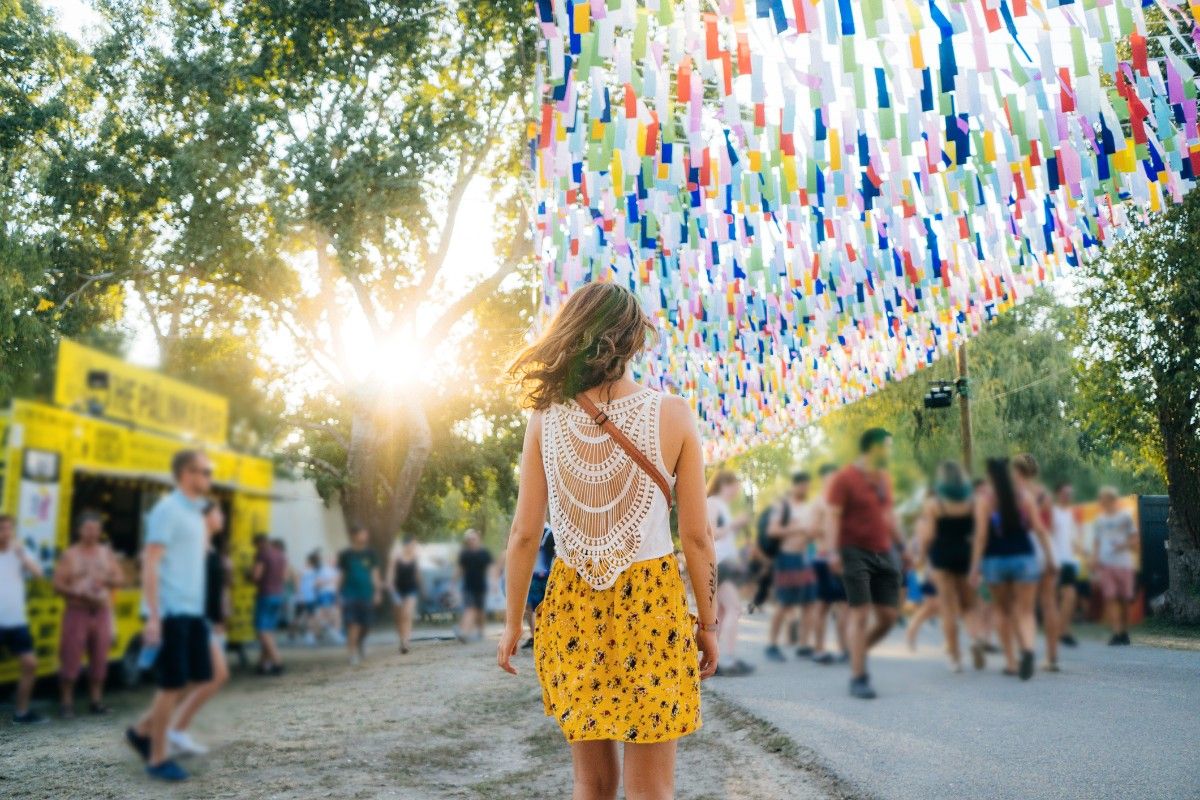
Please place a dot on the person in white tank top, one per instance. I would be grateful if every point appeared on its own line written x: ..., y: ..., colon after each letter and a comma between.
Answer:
x: 14, y: 624
x: 723, y: 489
x: 1066, y: 537
x: 615, y: 610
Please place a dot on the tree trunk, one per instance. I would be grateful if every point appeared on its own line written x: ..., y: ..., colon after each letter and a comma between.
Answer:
x: 1182, y: 457
x: 389, y: 447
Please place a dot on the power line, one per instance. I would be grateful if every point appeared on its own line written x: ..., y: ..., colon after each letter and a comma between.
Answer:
x: 1031, y: 384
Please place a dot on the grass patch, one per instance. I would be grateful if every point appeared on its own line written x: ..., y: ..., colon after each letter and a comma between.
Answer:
x: 1166, y: 633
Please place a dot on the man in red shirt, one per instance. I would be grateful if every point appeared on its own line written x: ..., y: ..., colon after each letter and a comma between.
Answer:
x: 861, y: 533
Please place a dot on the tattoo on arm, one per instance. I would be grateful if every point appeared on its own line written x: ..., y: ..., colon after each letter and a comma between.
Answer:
x: 712, y: 584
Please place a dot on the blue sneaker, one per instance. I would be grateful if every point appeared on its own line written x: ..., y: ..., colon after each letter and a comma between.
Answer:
x: 773, y: 653
x: 167, y: 771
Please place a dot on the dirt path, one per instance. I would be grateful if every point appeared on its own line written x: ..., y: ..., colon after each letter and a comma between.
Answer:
x: 442, y: 722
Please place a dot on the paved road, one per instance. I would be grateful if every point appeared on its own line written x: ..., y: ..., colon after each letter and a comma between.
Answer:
x: 1116, y: 723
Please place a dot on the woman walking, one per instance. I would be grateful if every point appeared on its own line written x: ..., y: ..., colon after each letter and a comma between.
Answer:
x: 405, y: 577
x: 1026, y: 466
x: 945, y: 527
x: 616, y: 649
x: 1003, y: 555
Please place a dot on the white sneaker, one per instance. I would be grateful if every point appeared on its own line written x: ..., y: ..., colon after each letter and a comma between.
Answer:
x: 355, y: 660
x: 180, y: 743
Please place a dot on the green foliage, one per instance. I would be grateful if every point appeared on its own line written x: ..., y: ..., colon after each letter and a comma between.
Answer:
x: 45, y: 258
x: 1140, y: 345
x: 1024, y: 398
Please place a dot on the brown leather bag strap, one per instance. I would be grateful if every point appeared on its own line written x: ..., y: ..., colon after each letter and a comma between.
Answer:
x: 618, y: 436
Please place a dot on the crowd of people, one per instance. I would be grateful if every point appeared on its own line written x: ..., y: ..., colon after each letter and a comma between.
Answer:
x: 989, y: 556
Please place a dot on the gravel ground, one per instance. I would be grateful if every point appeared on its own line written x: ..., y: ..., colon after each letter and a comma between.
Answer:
x: 441, y: 722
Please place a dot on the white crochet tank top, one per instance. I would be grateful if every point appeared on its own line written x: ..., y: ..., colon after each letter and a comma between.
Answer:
x: 606, y: 512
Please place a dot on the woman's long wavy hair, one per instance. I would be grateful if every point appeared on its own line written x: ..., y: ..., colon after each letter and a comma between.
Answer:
x: 590, y: 342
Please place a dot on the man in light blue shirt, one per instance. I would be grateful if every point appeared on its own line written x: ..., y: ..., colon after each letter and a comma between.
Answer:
x: 173, y: 600
x: 176, y: 523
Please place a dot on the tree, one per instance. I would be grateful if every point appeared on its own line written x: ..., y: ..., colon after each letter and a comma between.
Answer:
x: 297, y: 170
x: 1140, y: 314
x: 46, y: 260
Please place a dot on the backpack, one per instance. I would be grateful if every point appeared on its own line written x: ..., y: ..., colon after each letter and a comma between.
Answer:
x: 768, y: 544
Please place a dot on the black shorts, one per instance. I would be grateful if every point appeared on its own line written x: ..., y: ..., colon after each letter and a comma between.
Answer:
x: 17, y: 640
x: 829, y: 586
x: 1068, y: 575
x: 185, y: 655
x: 356, y: 611
x: 732, y: 572
x: 474, y: 597
x: 953, y: 556
x: 870, y: 578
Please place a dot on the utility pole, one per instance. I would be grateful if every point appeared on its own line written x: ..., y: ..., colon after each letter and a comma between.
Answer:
x: 964, y: 407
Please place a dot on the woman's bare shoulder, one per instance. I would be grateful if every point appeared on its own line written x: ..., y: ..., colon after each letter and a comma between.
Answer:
x: 676, y: 409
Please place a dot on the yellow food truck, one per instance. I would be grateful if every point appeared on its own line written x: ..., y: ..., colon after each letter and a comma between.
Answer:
x: 104, y: 444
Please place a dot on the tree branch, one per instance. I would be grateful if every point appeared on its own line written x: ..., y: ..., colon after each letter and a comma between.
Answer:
x: 462, y: 180
x: 481, y: 290
x: 320, y: 463
x: 328, y: 430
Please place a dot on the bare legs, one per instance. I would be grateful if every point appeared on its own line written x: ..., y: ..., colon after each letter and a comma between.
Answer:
x: 822, y: 612
x: 268, y: 650
x: 649, y: 771
x: 930, y: 606
x: 201, y: 694
x: 354, y: 637
x: 780, y: 618
x: 1118, y: 615
x: 1014, y: 603
x: 862, y: 637
x: 28, y: 663
x: 958, y: 602
x: 155, y: 721
x: 1047, y: 597
x: 1067, y: 598
x: 729, y: 611
x: 405, y: 609
x: 1002, y: 603
x: 471, y: 624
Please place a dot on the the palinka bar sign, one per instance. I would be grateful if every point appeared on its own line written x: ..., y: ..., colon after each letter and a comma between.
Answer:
x: 96, y: 383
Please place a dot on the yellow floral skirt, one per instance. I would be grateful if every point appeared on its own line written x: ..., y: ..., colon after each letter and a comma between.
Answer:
x: 620, y: 663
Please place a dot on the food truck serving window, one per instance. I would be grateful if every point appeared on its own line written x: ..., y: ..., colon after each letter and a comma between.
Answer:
x: 122, y: 501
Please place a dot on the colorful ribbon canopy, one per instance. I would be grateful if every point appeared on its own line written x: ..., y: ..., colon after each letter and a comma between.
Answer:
x: 816, y: 197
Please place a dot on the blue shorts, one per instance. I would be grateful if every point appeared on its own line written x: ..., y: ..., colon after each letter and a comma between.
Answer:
x: 326, y: 599
x: 795, y: 583
x: 537, y: 591
x: 829, y: 586
x: 1020, y: 568
x: 267, y: 610
x: 16, y: 640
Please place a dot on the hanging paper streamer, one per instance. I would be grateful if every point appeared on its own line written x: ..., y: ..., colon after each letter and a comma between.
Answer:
x: 817, y: 197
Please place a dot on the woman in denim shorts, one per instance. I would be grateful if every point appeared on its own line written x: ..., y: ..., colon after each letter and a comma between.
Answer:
x: 1003, y: 555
